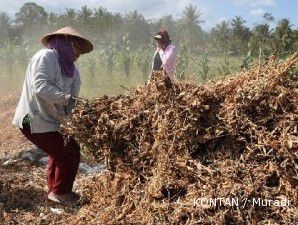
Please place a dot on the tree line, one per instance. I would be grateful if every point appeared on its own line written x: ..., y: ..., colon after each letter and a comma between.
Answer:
x: 103, y: 27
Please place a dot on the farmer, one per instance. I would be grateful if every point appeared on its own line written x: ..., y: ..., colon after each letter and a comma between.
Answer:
x: 165, y: 55
x: 51, y: 85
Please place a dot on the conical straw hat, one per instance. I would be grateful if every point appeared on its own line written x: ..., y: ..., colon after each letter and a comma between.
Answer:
x: 86, y: 47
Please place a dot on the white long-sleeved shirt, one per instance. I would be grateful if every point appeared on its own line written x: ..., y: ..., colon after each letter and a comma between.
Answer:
x: 46, y: 93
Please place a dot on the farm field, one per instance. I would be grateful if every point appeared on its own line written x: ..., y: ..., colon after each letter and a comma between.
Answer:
x: 216, y: 145
x: 215, y: 150
x: 98, y: 82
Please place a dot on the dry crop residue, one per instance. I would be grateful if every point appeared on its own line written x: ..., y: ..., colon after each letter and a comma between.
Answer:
x: 167, y: 146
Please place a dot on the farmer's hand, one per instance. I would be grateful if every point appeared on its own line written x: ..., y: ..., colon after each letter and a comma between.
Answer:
x: 71, y: 104
x: 158, y: 47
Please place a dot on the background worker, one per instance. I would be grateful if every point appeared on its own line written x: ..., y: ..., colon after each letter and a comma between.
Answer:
x: 165, y: 55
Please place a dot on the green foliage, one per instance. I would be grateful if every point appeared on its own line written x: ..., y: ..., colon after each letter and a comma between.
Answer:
x: 283, y: 38
x: 189, y: 29
x: 240, y: 36
x: 101, y: 25
x: 108, y: 57
x: 221, y: 36
x: 260, y: 40
x: 31, y: 16
x: 23, y: 52
x: 144, y: 60
x: 225, y: 68
x: 126, y: 56
x: 5, y: 27
x: 295, y: 40
x: 204, y: 64
x: 168, y: 23
x: 246, y: 60
x: 116, y: 56
x: 183, y: 62
x: 7, y: 58
x: 137, y: 29
x: 91, y: 60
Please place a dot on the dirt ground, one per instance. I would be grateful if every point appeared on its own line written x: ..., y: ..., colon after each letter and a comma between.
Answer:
x: 11, y: 139
x: 23, y: 185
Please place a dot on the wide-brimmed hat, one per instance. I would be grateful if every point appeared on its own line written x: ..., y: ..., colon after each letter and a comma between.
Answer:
x: 85, y: 47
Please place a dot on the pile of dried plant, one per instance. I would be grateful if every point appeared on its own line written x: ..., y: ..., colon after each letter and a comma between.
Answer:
x: 168, y: 145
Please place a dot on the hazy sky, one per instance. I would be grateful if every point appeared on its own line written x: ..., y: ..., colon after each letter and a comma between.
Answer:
x: 213, y: 11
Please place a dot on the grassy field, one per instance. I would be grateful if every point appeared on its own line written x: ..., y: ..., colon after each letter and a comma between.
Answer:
x: 97, y: 82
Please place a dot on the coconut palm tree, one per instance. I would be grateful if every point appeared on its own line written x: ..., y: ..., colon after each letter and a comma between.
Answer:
x: 283, y: 37
x: 69, y: 17
x: 221, y: 35
x: 31, y: 14
x: 240, y: 35
x: 31, y: 19
x: 103, y: 23
x: 190, y: 31
x: 168, y: 23
x: 53, y: 20
x: 261, y: 39
x: 85, y: 16
x: 137, y: 29
x: 5, y: 26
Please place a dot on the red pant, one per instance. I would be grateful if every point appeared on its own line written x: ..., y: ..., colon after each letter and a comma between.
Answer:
x: 63, y: 161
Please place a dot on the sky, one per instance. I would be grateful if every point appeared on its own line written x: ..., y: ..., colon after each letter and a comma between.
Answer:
x: 213, y: 11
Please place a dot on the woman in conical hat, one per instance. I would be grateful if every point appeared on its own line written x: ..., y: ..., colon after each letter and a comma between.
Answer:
x: 52, y: 83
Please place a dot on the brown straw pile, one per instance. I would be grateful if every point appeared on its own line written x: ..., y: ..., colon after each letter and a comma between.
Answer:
x: 167, y: 147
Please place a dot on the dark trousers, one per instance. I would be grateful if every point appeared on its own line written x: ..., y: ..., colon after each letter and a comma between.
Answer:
x: 63, y: 161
